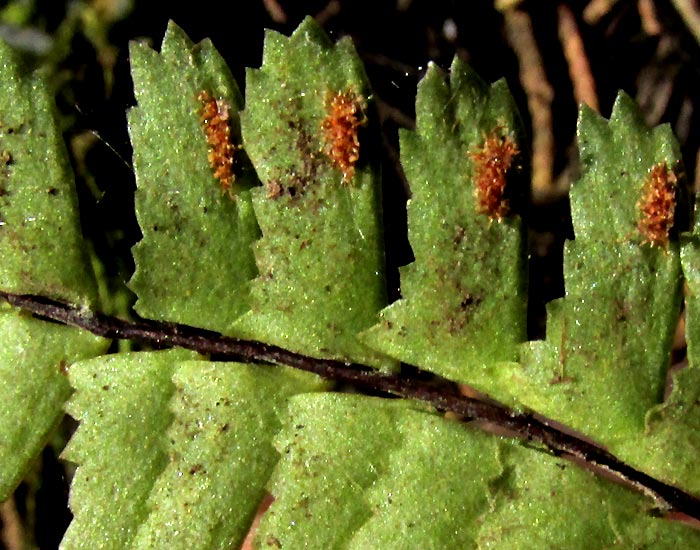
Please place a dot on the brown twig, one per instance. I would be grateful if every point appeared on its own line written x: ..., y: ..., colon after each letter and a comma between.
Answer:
x: 12, y: 531
x: 525, y: 425
x: 329, y: 11
x: 575, y: 54
x: 539, y: 99
x: 647, y: 16
x: 248, y: 543
x: 389, y: 112
x: 505, y: 5
x: 688, y: 10
x: 276, y: 12
x: 656, y: 82
x: 597, y: 9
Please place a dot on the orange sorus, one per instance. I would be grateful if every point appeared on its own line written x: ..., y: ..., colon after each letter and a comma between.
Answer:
x: 345, y: 115
x: 657, y: 205
x: 492, y: 161
x: 215, y: 119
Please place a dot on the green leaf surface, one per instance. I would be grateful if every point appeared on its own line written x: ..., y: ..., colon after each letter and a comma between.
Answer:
x: 122, y: 405
x: 363, y: 472
x: 360, y: 472
x: 465, y: 297
x: 195, y: 259
x: 603, y: 366
x: 669, y: 447
x: 546, y: 502
x: 175, y: 451
x: 333, y: 448
x: 41, y: 242
x: 221, y: 453
x: 436, y: 488
x: 43, y: 253
x: 321, y: 258
x: 34, y: 356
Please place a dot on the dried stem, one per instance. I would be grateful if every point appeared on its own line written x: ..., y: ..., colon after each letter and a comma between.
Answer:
x: 688, y: 11
x: 648, y: 17
x: 445, y: 398
x: 275, y: 11
x: 13, y: 537
x: 597, y: 9
x: 575, y: 53
x: 539, y: 99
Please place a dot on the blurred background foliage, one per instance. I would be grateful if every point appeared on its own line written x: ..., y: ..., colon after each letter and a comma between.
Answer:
x: 554, y: 55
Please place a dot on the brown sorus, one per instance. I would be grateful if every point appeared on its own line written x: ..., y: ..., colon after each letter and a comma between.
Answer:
x: 493, y: 159
x: 345, y: 114
x: 657, y: 205
x: 215, y: 120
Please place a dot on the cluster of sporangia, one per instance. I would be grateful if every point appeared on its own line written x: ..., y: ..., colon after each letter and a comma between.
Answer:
x: 492, y: 160
x: 657, y: 205
x: 215, y: 120
x: 345, y: 115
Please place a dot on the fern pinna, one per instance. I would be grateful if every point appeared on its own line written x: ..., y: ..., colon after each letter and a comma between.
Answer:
x: 262, y: 253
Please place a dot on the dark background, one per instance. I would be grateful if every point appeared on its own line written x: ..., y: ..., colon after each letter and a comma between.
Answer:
x: 643, y: 47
